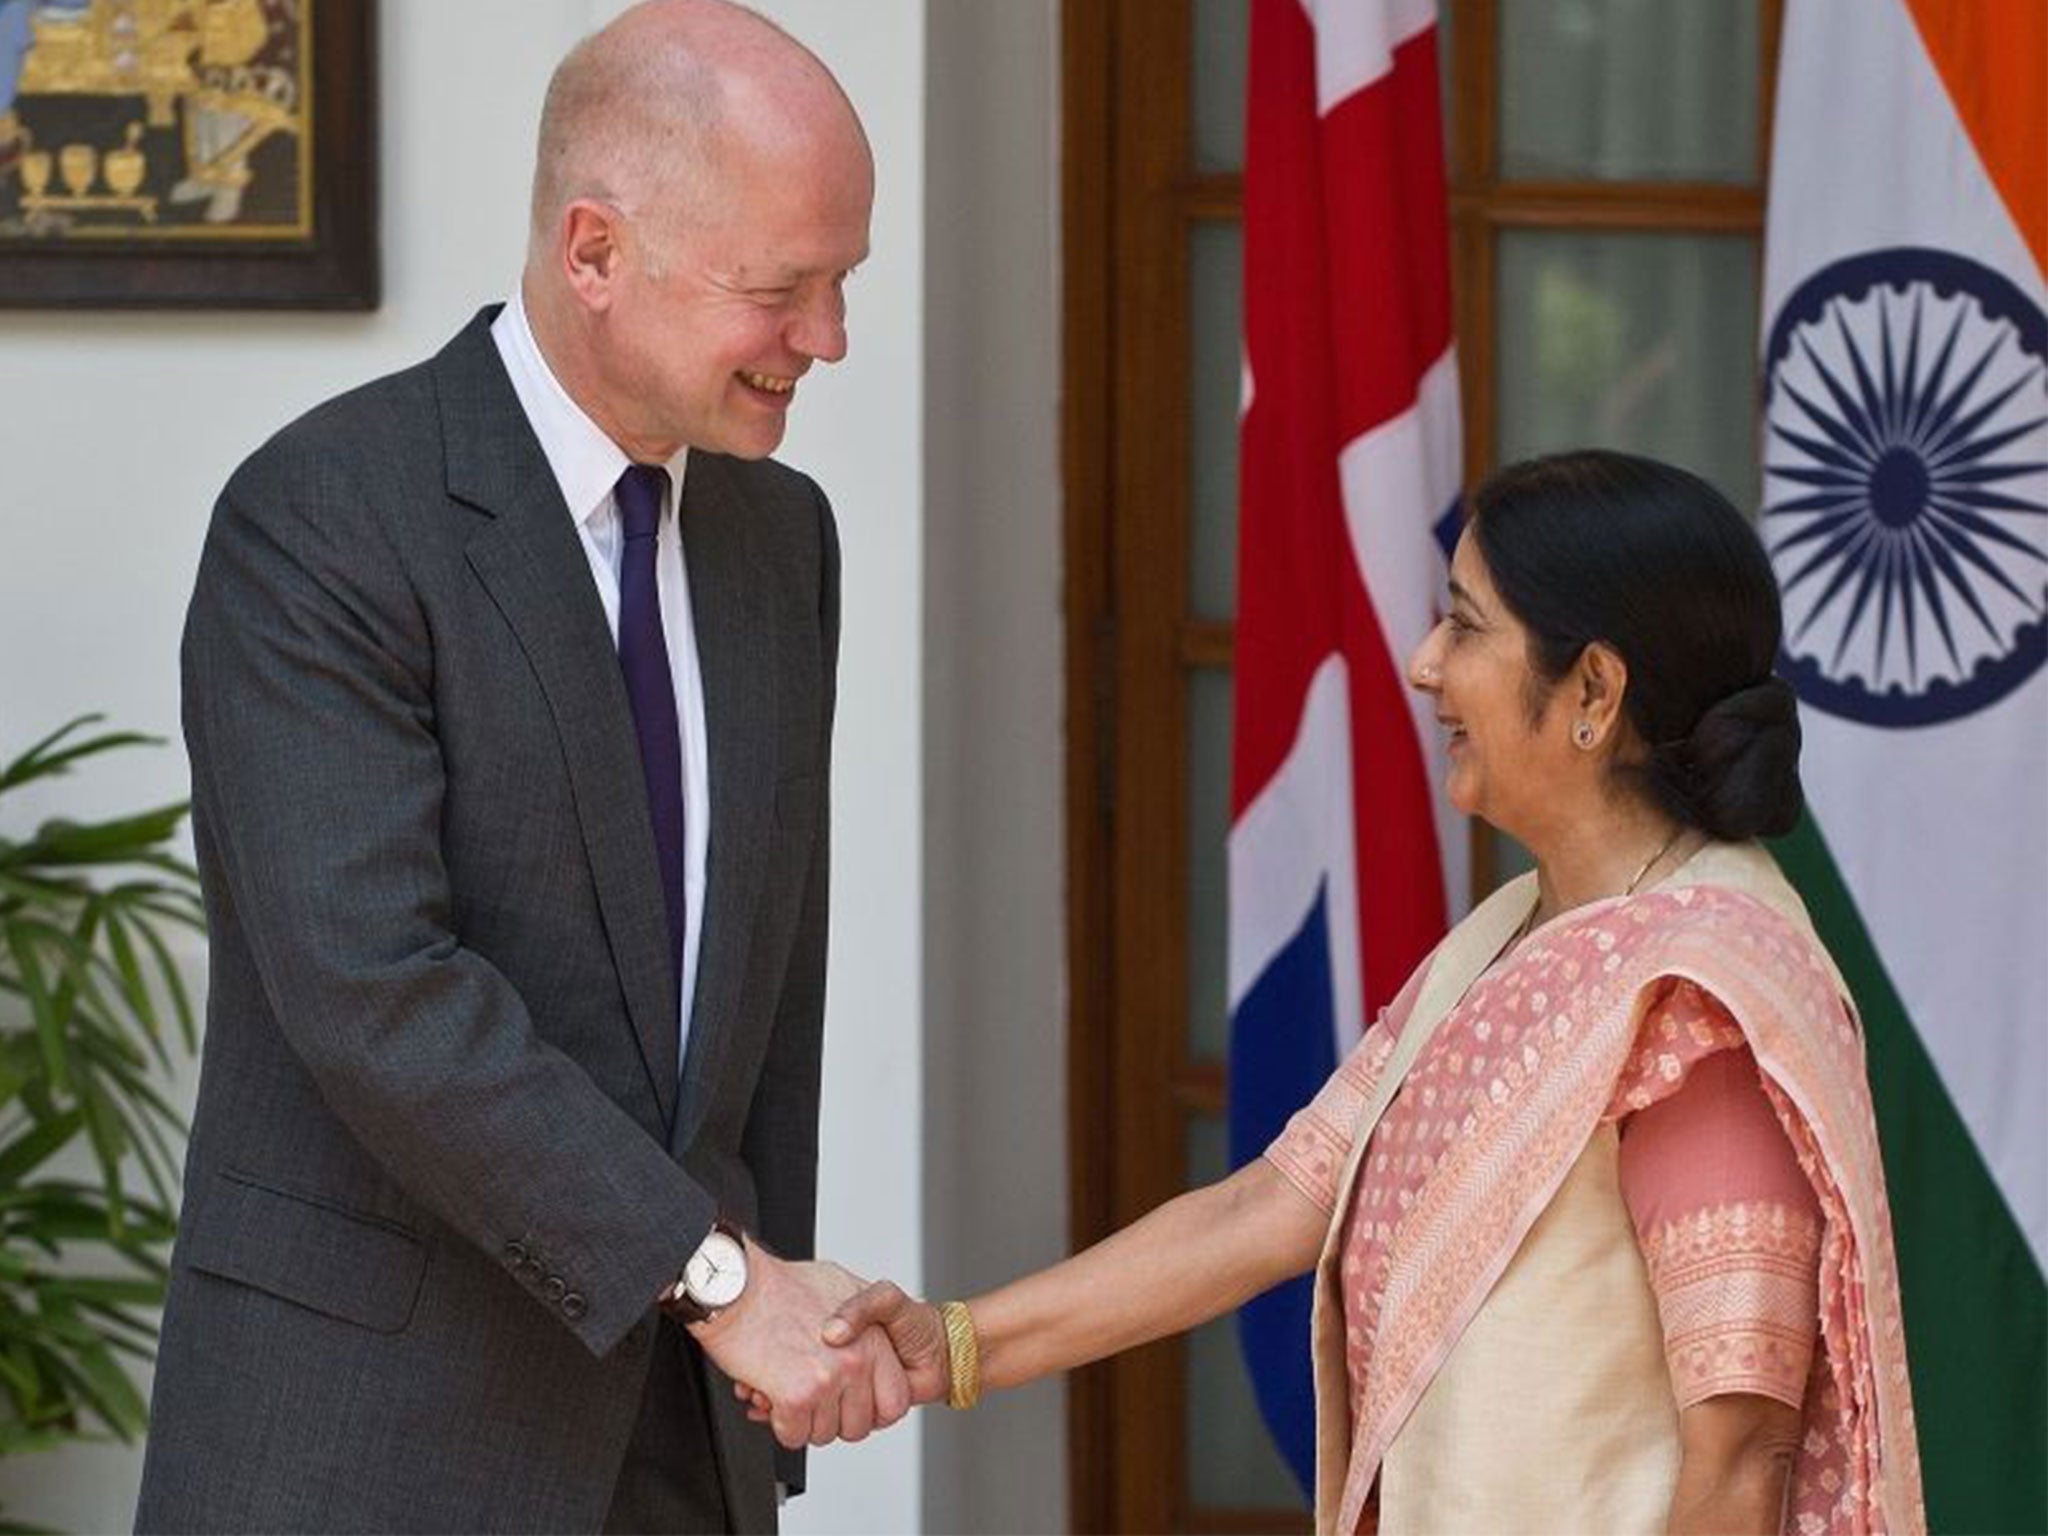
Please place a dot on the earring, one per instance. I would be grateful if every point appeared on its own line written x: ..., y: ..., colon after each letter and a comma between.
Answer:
x: 1582, y: 735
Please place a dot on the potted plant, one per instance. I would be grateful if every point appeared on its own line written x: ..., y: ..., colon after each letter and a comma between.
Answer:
x: 90, y: 1000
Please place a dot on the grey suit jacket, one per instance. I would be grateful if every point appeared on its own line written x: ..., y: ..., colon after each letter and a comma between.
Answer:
x: 443, y: 1157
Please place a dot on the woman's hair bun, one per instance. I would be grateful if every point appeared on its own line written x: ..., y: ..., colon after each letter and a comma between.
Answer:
x: 1737, y: 775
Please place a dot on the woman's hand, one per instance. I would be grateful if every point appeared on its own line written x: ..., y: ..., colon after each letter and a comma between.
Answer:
x: 914, y: 1330
x: 1735, y: 1458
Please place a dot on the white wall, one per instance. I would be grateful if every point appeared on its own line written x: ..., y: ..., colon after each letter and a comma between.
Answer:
x: 995, y: 1034
x: 116, y: 431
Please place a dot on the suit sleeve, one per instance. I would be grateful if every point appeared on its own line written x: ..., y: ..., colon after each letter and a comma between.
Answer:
x: 309, y: 715
x: 780, y: 1143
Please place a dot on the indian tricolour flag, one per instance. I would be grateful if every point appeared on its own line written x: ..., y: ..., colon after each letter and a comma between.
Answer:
x: 1905, y: 357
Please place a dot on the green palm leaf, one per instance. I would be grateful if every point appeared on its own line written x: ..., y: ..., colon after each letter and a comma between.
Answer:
x: 88, y: 984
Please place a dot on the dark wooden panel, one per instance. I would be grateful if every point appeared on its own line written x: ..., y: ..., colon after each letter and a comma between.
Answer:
x: 1206, y: 643
x: 1247, y: 1522
x: 1149, y: 553
x: 1702, y: 206
x: 1086, y: 201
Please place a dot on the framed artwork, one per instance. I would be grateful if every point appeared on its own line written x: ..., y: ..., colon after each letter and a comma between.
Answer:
x: 188, y: 154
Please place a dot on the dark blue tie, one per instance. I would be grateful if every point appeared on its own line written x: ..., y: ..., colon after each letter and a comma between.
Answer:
x: 650, y: 686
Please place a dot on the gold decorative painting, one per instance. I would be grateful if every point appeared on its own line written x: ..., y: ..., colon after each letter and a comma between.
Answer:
x: 186, y: 153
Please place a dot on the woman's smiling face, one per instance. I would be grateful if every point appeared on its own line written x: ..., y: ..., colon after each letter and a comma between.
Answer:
x: 1507, y: 759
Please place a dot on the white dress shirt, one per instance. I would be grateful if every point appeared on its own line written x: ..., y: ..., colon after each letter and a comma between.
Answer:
x: 587, y: 466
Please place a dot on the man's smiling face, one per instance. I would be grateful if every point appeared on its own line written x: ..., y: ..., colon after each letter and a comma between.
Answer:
x: 713, y: 325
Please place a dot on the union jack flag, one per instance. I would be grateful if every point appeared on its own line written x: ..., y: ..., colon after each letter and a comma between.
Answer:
x: 1343, y: 855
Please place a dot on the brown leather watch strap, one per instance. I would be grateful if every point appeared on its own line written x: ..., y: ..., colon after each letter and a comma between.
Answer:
x: 676, y: 1301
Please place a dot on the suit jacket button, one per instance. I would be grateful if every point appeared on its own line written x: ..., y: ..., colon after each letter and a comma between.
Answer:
x: 530, y: 1268
x: 515, y: 1254
x: 574, y: 1306
x: 553, y: 1288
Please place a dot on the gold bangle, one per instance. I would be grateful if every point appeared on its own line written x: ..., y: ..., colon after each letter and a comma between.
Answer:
x: 963, y: 1355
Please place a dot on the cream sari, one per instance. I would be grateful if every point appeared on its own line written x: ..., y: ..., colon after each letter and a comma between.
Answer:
x: 1514, y: 1285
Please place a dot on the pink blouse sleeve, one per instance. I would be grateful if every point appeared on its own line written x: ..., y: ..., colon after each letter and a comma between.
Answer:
x: 1729, y: 1225
x: 1310, y: 1153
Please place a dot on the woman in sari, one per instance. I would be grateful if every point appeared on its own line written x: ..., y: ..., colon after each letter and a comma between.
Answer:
x: 1595, y: 1207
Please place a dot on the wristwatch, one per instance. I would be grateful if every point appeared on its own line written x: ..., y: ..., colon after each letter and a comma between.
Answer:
x: 712, y: 1280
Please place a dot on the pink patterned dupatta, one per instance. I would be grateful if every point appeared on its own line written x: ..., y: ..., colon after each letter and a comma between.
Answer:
x: 1574, y: 999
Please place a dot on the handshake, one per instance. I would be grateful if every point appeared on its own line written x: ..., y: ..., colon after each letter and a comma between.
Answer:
x: 819, y: 1356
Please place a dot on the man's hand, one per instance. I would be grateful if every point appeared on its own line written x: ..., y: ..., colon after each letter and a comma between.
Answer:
x: 915, y: 1339
x: 771, y: 1339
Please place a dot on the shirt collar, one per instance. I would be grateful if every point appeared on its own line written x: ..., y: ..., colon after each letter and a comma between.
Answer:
x: 587, y: 463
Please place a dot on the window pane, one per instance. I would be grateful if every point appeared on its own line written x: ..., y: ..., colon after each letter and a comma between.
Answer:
x: 1222, y: 40
x: 1216, y: 385
x: 1510, y: 858
x: 1230, y: 1457
x: 1446, y: 78
x: 1208, y: 827
x: 1624, y: 90
x: 1640, y: 342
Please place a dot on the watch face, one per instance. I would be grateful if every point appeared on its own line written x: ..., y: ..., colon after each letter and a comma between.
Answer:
x: 717, y: 1271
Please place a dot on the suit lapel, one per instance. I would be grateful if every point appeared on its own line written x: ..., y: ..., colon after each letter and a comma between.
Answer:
x: 532, y: 563
x: 737, y: 654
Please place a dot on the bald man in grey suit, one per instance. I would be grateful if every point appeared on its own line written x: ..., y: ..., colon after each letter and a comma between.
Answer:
x: 512, y: 816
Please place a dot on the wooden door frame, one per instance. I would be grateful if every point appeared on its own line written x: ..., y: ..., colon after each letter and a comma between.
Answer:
x: 1087, y: 201
x: 1125, y: 476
